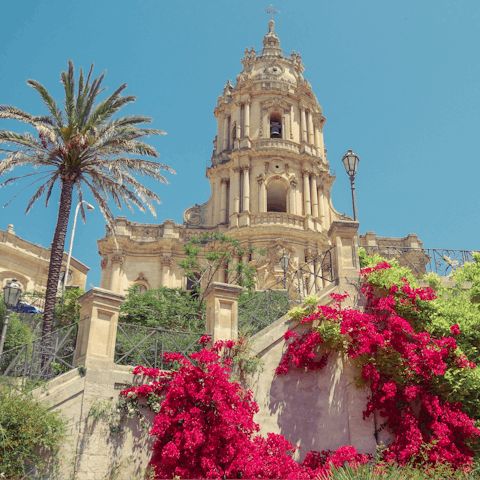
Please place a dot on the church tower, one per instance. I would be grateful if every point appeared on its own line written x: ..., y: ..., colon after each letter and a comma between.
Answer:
x: 269, y: 176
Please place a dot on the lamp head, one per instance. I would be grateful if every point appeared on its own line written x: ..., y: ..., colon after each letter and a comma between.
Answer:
x: 89, y: 207
x: 350, y: 161
x: 284, y: 261
x: 11, y: 293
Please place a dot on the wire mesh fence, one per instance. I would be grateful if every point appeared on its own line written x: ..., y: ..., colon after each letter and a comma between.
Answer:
x: 41, y: 359
x: 257, y: 310
x: 138, y: 345
x: 420, y: 261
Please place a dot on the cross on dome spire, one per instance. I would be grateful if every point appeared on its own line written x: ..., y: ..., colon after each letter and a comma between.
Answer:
x: 271, y: 12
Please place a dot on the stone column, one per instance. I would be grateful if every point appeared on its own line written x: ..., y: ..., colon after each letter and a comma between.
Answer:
x: 261, y: 193
x: 222, y: 311
x: 97, y: 328
x: 310, y: 128
x: 225, y: 132
x: 306, y: 192
x: 117, y: 262
x: 167, y: 263
x: 293, y: 196
x: 317, y: 137
x: 239, y: 120
x: 314, y: 196
x: 247, y: 119
x: 304, y: 125
x: 223, y: 200
x: 235, y: 191
x: 246, y: 188
x: 321, y: 207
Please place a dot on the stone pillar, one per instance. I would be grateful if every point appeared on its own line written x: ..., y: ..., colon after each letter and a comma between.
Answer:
x: 222, y: 311
x: 116, y: 281
x: 239, y: 120
x: 223, y: 200
x: 97, y: 328
x: 261, y: 193
x: 317, y: 138
x: 321, y: 206
x: 310, y: 128
x: 246, y: 188
x: 344, y: 236
x: 304, y: 125
x: 293, y: 197
x: 167, y: 263
x: 225, y: 132
x: 306, y: 192
x: 247, y: 119
x: 314, y: 196
x: 235, y: 191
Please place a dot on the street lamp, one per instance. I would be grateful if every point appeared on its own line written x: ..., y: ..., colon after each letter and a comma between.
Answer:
x: 350, y: 160
x: 284, y: 261
x: 11, y: 295
x: 89, y: 207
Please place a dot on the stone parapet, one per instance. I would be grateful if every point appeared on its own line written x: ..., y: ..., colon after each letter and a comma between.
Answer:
x: 222, y: 311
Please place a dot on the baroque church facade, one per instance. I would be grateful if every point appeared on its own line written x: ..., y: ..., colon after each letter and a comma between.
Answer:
x: 270, y: 186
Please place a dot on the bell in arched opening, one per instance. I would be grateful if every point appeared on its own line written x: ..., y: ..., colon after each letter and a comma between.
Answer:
x: 275, y: 126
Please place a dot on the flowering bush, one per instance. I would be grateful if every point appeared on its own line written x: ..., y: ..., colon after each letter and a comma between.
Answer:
x: 407, y: 371
x: 205, y: 428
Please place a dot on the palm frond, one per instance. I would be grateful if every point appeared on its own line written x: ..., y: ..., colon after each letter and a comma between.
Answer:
x: 48, y: 100
x: 50, y: 186
x: 10, y: 180
x: 102, y: 204
x: 68, y: 81
x: 26, y: 139
x: 78, y: 187
x: 37, y: 194
x: 92, y: 93
x: 13, y: 113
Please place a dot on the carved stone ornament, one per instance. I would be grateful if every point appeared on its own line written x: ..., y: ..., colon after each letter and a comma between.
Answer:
x: 193, y: 215
x: 103, y: 263
x: 261, y: 178
x: 141, y: 278
x: 266, y: 167
x: 273, y: 70
x: 166, y: 261
x: 269, y: 271
x: 227, y: 89
x: 310, y: 254
x: 293, y: 181
x: 277, y: 166
x: 118, y: 259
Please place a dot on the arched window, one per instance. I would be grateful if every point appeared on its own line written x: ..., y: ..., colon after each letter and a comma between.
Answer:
x: 276, y: 196
x: 141, y: 289
x: 275, y: 125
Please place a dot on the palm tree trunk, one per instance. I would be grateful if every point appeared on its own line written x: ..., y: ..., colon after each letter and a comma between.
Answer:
x: 56, y: 257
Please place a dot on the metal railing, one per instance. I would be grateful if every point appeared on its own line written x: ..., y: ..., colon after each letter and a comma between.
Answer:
x: 442, y: 261
x: 257, y: 310
x: 43, y: 358
x: 137, y: 345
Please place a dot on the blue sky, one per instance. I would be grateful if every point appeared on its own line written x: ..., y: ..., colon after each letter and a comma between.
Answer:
x: 398, y: 83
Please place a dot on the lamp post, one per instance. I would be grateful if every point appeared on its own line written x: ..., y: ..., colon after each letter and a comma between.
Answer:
x: 89, y: 207
x: 350, y: 160
x: 284, y: 261
x: 11, y: 296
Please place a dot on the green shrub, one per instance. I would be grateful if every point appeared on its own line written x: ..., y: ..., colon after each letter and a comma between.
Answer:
x: 18, y: 333
x: 30, y: 435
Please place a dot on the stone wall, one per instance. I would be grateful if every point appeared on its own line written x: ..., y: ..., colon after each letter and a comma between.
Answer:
x: 317, y: 410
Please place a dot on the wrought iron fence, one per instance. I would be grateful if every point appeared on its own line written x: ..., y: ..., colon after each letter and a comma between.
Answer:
x: 257, y: 310
x: 43, y: 358
x: 421, y: 261
x: 137, y: 345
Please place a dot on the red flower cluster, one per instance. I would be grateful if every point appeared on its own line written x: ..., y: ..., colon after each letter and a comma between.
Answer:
x: 205, y: 426
x: 416, y: 416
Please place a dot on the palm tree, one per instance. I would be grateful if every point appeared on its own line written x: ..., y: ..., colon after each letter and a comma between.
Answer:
x: 81, y: 148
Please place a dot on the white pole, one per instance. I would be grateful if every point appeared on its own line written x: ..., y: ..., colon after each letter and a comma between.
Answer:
x: 89, y: 207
